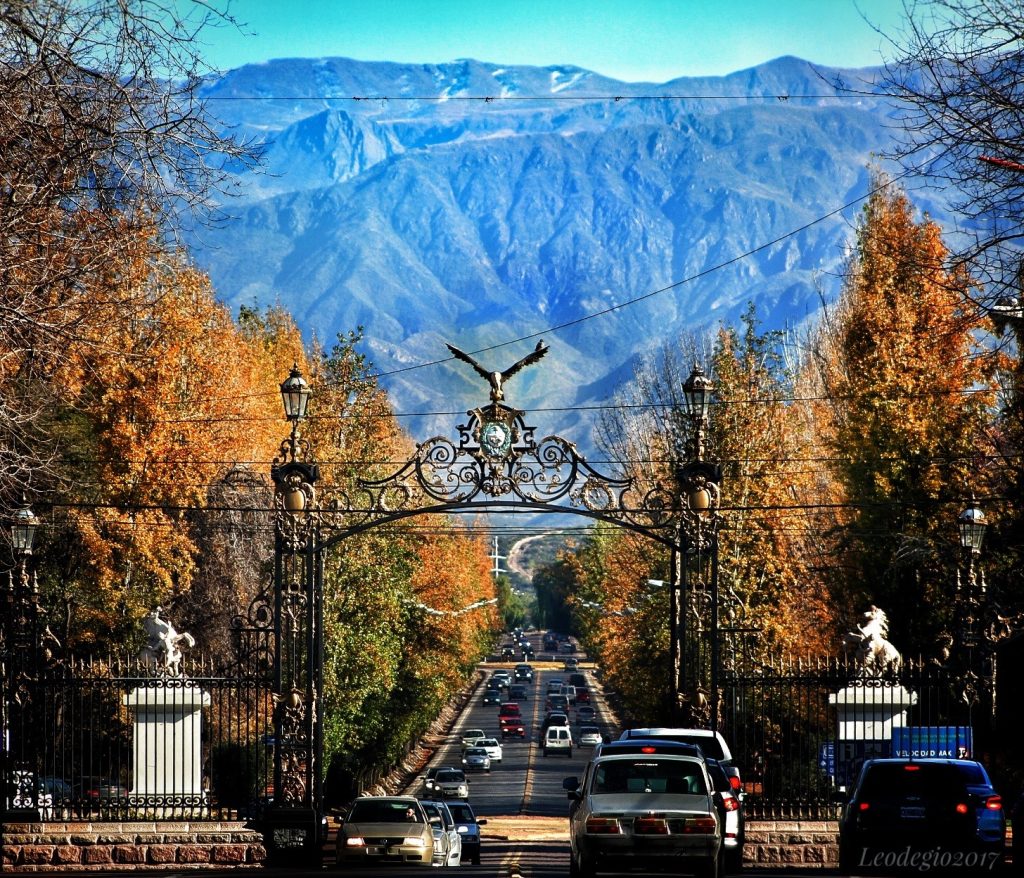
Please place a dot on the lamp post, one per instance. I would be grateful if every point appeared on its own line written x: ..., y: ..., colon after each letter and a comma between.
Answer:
x: 18, y: 641
x: 699, y: 485
x: 970, y: 607
x: 295, y: 825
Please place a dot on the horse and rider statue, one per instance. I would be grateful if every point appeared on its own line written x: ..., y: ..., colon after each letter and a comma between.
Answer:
x: 874, y: 654
x: 163, y: 647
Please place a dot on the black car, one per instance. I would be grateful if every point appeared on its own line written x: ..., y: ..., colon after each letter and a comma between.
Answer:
x: 492, y: 695
x: 922, y: 814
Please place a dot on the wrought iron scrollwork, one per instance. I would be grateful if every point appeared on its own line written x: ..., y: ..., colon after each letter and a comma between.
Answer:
x: 498, y: 460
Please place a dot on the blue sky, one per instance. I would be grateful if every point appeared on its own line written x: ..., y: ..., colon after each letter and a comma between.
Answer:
x: 631, y: 40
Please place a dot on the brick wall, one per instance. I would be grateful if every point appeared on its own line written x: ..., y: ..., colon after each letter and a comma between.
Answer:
x: 812, y: 843
x: 129, y: 847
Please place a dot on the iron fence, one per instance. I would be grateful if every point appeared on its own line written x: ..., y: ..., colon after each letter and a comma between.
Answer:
x: 115, y: 740
x: 800, y: 728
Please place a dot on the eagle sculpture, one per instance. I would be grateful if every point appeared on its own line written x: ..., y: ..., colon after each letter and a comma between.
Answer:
x: 497, y: 379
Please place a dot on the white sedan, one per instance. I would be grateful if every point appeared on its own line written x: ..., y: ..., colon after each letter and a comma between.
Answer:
x: 492, y: 746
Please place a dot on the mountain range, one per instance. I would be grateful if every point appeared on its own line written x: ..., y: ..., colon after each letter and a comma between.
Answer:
x: 478, y: 204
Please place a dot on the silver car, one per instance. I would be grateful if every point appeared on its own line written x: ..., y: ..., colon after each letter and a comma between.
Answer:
x: 447, y: 840
x: 451, y: 783
x: 476, y: 759
x: 654, y: 810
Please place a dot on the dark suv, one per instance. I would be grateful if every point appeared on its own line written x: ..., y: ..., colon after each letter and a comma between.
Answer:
x: 922, y: 814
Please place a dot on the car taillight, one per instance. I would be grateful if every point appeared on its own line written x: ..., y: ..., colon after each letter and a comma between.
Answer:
x: 731, y: 804
x: 994, y: 803
x: 734, y: 782
x: 961, y: 808
x: 650, y: 826
x: 603, y: 826
x: 863, y: 806
x: 699, y: 825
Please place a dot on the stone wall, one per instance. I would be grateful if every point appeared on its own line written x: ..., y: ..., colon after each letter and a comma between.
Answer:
x: 810, y: 843
x: 129, y: 847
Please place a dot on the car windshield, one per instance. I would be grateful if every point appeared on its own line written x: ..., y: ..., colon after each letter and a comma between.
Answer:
x: 920, y: 778
x: 649, y: 776
x: 449, y: 775
x: 462, y: 812
x: 383, y: 811
x: 589, y: 730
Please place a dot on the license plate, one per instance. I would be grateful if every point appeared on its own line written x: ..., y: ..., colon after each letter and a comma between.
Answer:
x: 912, y: 812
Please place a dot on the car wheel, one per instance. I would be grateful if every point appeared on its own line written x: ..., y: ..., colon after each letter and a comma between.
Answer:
x: 709, y: 868
x: 733, y: 863
x: 846, y: 859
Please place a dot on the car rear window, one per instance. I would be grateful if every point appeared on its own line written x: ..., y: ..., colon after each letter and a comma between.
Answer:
x: 461, y: 812
x: 708, y: 744
x: 924, y: 778
x: 649, y: 776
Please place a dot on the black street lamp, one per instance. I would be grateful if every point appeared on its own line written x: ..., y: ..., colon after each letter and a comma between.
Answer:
x: 19, y: 615
x: 699, y: 485
x: 979, y: 622
x: 295, y: 825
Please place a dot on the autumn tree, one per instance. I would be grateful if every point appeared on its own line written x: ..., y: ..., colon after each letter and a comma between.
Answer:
x: 102, y: 136
x: 908, y: 393
x: 150, y: 424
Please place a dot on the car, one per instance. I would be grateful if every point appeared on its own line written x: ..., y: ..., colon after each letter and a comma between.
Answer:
x: 555, y: 718
x: 569, y: 691
x: 513, y: 726
x: 582, y: 696
x: 468, y: 826
x: 428, y: 778
x: 555, y: 685
x: 712, y: 744
x: 509, y: 708
x: 557, y: 739
x: 492, y: 696
x: 451, y: 783
x: 99, y: 794
x: 518, y: 693
x: 652, y: 809
x: 557, y: 702
x: 590, y: 736
x: 914, y: 808
x: 476, y: 759
x: 523, y: 672
x: 730, y: 812
x: 470, y: 737
x: 570, y: 664
x: 527, y: 653
x: 385, y: 829
x: 447, y: 840
x: 578, y: 680
x: 508, y: 652
x: 493, y: 748
x: 585, y: 713
x: 568, y: 647
x: 500, y: 678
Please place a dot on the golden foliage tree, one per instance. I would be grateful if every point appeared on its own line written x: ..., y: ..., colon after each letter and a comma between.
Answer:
x: 907, y: 389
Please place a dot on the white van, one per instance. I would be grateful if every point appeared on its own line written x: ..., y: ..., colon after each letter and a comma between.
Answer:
x: 558, y: 739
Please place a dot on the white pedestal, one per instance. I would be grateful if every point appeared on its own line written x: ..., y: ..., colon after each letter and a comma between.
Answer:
x: 870, y: 713
x: 167, y: 748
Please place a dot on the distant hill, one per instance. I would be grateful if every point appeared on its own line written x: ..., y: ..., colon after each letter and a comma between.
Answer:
x: 426, y: 217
